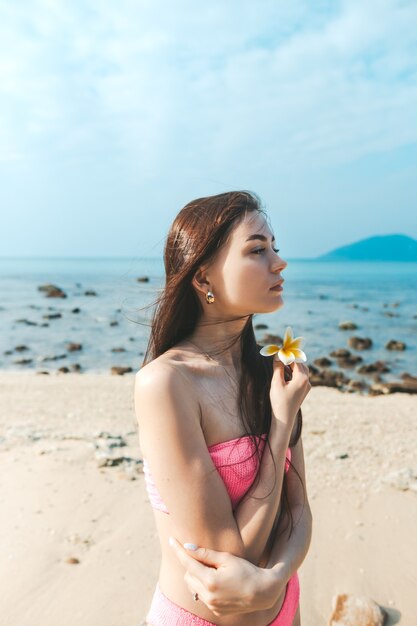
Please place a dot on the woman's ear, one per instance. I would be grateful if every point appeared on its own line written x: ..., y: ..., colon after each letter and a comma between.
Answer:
x: 200, y: 281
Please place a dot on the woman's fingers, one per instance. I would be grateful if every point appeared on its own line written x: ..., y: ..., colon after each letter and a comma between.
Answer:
x: 187, y: 561
x: 278, y: 365
x: 212, y: 558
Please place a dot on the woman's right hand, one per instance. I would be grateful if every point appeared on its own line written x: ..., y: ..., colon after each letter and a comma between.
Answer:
x: 289, y: 386
x: 228, y: 584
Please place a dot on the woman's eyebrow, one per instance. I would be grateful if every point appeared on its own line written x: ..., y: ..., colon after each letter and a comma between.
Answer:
x: 259, y: 236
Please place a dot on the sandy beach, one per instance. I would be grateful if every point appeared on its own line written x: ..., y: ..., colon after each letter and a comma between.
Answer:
x: 78, y: 541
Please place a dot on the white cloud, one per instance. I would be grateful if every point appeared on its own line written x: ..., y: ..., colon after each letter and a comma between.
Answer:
x: 285, y: 80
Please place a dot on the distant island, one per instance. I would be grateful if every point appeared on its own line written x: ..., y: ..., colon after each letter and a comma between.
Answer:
x: 378, y: 248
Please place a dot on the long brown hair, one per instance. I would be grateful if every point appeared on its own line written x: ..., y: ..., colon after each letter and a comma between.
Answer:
x: 199, y: 230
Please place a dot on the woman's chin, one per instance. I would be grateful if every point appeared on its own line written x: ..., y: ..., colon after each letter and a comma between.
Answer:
x: 270, y: 308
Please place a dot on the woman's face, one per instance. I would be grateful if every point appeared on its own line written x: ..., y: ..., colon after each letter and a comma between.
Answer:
x: 245, y: 269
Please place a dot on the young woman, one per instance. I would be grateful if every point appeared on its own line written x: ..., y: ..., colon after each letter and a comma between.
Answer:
x: 220, y: 426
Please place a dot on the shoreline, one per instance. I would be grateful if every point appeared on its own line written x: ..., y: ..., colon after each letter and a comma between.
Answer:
x: 325, y: 378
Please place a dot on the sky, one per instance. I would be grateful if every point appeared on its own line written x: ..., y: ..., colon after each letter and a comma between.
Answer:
x: 114, y: 115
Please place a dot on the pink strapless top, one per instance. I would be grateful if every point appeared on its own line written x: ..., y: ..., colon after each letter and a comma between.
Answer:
x: 237, y: 463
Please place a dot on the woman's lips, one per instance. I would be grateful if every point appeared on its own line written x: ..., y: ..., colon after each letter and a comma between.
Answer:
x: 277, y: 288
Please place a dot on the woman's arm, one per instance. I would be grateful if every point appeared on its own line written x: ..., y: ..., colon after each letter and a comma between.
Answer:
x: 172, y: 440
x: 232, y: 585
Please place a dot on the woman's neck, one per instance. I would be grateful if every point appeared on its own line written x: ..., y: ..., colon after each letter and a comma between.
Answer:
x: 215, y: 339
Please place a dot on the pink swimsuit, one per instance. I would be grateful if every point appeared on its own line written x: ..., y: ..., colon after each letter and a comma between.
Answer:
x: 237, y: 463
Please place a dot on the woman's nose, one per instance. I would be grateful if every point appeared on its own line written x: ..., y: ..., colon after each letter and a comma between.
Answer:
x: 279, y: 264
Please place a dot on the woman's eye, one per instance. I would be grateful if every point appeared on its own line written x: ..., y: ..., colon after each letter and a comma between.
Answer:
x: 262, y: 249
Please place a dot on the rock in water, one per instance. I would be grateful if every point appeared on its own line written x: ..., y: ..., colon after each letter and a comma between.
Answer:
x: 322, y: 362
x: 341, y: 353
x: 120, y: 370
x: 73, y: 347
x: 395, y: 345
x: 347, y: 326
x: 360, y: 343
x: 270, y: 338
x: 349, y: 610
x: 52, y: 291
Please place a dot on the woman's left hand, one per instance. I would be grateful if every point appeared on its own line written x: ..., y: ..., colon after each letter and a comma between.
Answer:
x: 226, y: 583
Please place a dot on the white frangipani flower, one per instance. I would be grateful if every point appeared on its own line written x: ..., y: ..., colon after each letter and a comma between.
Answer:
x: 289, y: 352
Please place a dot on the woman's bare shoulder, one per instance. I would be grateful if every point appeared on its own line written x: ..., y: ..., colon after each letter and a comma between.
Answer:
x: 172, y: 369
x: 175, y: 363
x: 164, y: 399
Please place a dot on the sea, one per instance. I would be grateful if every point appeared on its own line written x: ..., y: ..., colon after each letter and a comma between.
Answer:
x: 113, y: 325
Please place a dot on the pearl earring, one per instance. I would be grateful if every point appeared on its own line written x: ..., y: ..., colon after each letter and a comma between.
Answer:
x: 209, y: 297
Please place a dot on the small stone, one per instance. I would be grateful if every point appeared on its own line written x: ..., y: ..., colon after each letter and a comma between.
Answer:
x: 349, y: 610
x: 360, y: 343
x: 322, y: 362
x: 347, y: 326
x: 270, y: 338
x: 55, y: 357
x: 369, y: 368
x: 333, y: 455
x: 73, y: 347
x: 327, y: 378
x: 120, y: 370
x: 408, y: 377
x: 72, y: 560
x: 349, y: 361
x: 395, y: 345
x: 340, y: 353
x: 356, y: 385
x: 403, y: 479
x: 406, y: 386
x: 52, y: 291
x: 108, y: 441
